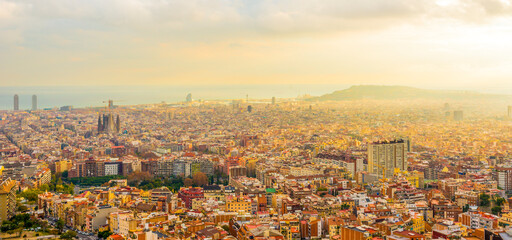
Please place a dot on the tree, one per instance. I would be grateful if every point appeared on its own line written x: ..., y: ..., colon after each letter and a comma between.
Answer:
x: 30, y: 194
x: 188, y: 182
x: 44, y: 188
x: 200, y: 179
x: 465, y: 208
x: 70, y: 188
x: 499, y: 201
x: 484, y: 200
x: 64, y: 174
x: 104, y: 234
x: 496, y: 210
x: 217, y: 174
x: 21, y: 207
x: 68, y: 235
x: 60, y: 225
x: 135, y: 178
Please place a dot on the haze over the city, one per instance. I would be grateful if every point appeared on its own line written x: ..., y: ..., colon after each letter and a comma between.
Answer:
x: 444, y: 44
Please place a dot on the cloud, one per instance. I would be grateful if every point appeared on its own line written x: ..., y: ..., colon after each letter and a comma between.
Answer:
x: 214, y: 40
x: 235, y: 17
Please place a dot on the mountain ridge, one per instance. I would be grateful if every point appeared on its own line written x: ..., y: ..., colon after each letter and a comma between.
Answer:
x: 394, y: 92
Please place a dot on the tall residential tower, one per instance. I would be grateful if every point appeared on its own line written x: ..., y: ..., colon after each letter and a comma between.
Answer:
x: 16, y: 102
x: 385, y: 157
x: 34, y: 102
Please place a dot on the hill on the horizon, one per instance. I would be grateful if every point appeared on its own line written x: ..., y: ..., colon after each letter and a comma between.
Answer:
x: 401, y: 92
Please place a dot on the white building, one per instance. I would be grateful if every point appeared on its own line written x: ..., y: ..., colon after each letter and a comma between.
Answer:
x: 111, y: 169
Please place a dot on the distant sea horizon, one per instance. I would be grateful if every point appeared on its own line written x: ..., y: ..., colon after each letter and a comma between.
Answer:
x: 93, y: 96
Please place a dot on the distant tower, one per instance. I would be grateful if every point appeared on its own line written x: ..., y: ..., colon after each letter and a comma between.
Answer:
x: 273, y: 100
x: 458, y: 115
x: 34, y: 102
x: 446, y: 106
x: 247, y: 98
x: 16, y: 102
x: 111, y: 126
x: 189, y: 97
x: 104, y: 126
x: 100, y: 125
x: 118, y: 124
x: 510, y: 111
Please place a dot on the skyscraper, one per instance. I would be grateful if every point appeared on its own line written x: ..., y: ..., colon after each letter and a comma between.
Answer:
x: 189, y: 97
x: 34, y: 102
x: 16, y: 102
x: 385, y: 157
x: 458, y: 115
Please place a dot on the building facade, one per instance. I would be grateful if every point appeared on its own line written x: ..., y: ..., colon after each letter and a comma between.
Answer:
x: 385, y: 157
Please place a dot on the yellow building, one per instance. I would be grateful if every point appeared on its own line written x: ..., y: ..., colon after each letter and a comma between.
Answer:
x: 113, y: 222
x: 156, y: 218
x: 348, y: 202
x: 238, y: 204
x: 416, y: 179
x: 125, y: 199
x: 7, y: 199
x: 145, y: 195
x: 505, y: 220
x: 334, y: 225
x: 62, y: 206
x: 418, y: 224
x: 107, y: 196
x: 63, y: 165
x: 197, y: 203
x: 290, y: 227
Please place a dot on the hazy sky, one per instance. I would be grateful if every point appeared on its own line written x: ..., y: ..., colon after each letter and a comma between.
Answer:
x: 425, y: 43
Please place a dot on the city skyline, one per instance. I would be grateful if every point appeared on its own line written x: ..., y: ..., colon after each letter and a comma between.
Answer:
x: 255, y: 120
x: 445, y: 44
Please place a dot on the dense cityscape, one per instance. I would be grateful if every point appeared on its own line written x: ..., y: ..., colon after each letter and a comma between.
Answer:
x: 255, y: 120
x: 257, y: 169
